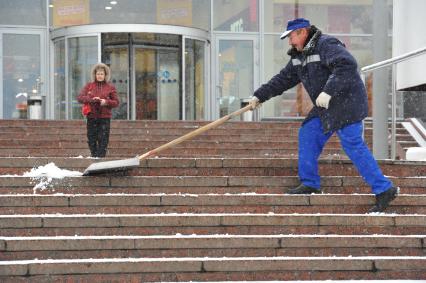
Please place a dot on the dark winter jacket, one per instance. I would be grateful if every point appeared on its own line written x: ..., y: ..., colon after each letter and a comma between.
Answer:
x: 324, y: 65
x: 103, y: 90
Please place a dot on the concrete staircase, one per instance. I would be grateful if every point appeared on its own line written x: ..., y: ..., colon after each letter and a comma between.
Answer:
x: 211, y: 209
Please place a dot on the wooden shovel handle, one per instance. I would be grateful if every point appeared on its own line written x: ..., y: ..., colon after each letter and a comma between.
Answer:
x: 194, y: 133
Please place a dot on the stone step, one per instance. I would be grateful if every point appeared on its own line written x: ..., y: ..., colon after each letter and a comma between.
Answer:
x: 163, y: 127
x: 407, y: 144
x: 216, y: 223
x: 176, y: 151
x: 78, y: 247
x: 230, y: 127
x: 155, y: 125
x: 214, y: 166
x: 229, y: 212
x: 145, y: 182
x: 287, y: 122
x: 202, y: 203
x: 163, y: 124
x: 163, y: 138
x: 48, y: 190
x: 120, y: 141
x: 192, y: 185
x: 166, y: 135
x: 215, y: 269
x: 285, y: 128
x: 143, y: 124
x: 117, y: 145
x: 151, y: 124
x: 221, y: 132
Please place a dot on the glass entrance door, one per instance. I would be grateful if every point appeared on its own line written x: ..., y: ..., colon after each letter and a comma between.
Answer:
x: 148, y: 70
x: 157, y: 83
x: 117, y: 57
x: 21, y: 72
x: 237, y: 72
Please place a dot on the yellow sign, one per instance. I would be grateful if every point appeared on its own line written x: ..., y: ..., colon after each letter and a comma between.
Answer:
x: 70, y: 12
x: 174, y: 12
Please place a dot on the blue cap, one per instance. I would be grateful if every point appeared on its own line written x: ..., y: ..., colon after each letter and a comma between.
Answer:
x: 295, y: 24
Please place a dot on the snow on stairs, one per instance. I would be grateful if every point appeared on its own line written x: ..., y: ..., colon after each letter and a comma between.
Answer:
x: 200, y: 218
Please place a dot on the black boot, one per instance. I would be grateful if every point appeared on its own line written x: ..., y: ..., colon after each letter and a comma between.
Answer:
x: 302, y: 189
x: 384, y: 199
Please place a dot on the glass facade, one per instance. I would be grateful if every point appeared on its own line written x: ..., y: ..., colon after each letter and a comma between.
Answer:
x: 59, y: 80
x: 162, y: 72
x: 195, y: 79
x: 350, y: 21
x: 164, y: 12
x: 115, y: 53
x: 157, y: 76
x: 21, y: 73
x: 235, y: 15
x: 23, y: 12
x: 334, y: 17
x: 82, y: 55
x: 236, y: 76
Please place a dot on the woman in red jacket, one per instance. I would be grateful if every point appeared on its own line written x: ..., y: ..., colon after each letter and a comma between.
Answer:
x: 102, y: 97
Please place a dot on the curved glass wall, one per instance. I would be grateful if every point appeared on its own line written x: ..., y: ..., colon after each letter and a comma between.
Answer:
x: 195, y: 86
x: 147, y: 70
x: 82, y: 55
x: 59, y: 100
x: 72, y: 62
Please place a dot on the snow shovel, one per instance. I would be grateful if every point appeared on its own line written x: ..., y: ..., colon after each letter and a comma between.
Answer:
x: 124, y: 164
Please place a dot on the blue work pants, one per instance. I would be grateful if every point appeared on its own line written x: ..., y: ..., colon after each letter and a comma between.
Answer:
x: 312, y: 141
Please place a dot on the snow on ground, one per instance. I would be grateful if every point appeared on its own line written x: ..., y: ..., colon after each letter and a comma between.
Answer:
x: 50, y: 170
x: 45, y: 174
x: 416, y: 154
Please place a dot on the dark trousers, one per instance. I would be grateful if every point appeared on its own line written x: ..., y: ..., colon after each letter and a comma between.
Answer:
x: 98, y: 136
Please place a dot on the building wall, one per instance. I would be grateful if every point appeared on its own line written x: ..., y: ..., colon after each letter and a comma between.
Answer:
x: 409, y: 35
x: 349, y: 20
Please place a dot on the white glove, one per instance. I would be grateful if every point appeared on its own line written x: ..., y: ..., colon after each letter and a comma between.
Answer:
x: 323, y: 100
x: 254, y: 102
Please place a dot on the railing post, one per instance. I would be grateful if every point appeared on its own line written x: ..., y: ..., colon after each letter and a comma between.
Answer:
x: 393, y: 136
x: 363, y: 121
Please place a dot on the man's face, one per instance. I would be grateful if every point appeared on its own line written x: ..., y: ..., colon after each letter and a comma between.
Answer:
x: 297, y: 39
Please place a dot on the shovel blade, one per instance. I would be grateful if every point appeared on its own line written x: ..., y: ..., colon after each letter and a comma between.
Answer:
x: 111, y: 166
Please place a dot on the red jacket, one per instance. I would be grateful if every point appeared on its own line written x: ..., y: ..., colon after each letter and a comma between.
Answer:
x: 102, y: 90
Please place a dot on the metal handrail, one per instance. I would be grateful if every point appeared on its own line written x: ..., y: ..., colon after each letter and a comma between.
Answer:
x: 385, y: 63
x: 393, y: 60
